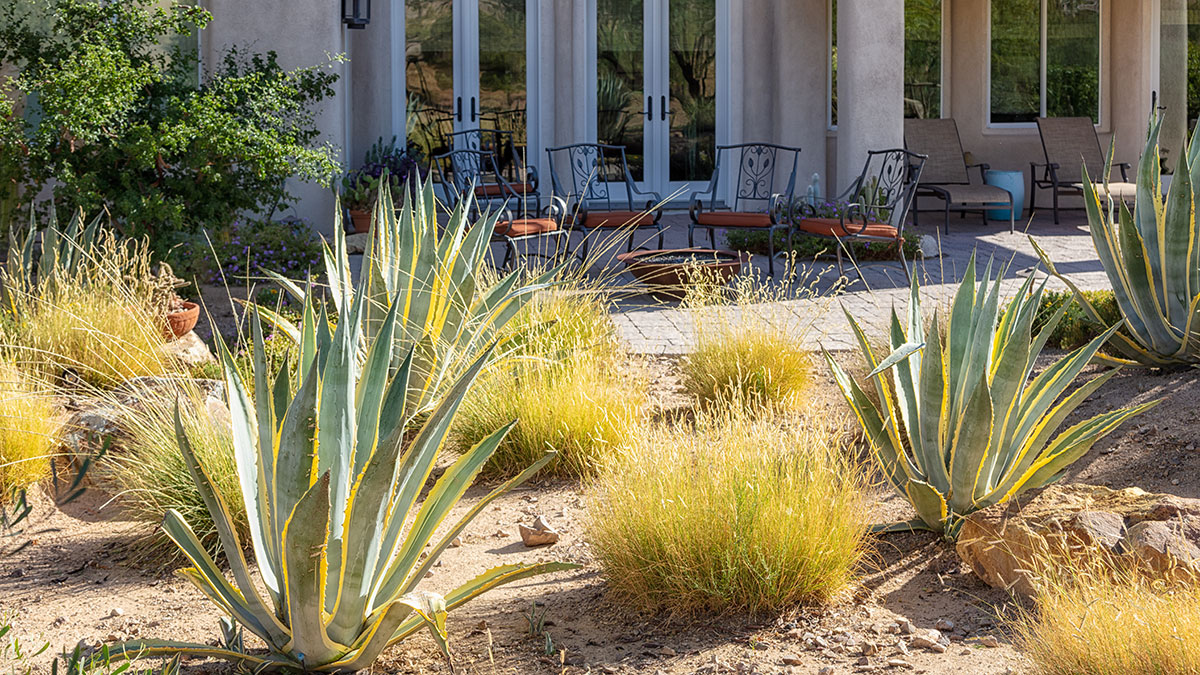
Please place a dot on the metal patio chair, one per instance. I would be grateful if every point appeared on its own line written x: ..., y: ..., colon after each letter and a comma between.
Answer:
x: 947, y: 175
x: 746, y: 174
x: 510, y: 164
x: 1070, y: 144
x: 462, y: 171
x: 599, y: 191
x: 874, y: 208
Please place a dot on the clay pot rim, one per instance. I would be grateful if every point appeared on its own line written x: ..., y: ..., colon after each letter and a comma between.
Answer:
x: 188, y: 306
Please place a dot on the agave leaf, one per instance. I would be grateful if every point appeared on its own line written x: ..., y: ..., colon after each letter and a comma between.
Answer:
x: 929, y: 439
x: 914, y: 525
x: 970, y: 447
x: 372, y: 641
x: 304, y: 536
x: 137, y: 649
x: 891, y: 458
x: 929, y: 503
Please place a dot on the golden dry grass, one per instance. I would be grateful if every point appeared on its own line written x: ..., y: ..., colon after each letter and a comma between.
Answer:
x: 1100, y: 622
x: 29, y: 424
x: 737, y: 511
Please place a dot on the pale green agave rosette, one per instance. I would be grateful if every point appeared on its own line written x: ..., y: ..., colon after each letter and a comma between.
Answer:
x: 331, y: 469
x: 1152, y: 259
x: 960, y: 425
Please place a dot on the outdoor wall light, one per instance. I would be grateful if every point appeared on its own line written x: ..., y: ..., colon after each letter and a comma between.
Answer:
x: 356, y: 14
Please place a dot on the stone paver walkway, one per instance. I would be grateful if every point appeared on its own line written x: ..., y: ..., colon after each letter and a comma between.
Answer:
x: 653, y: 326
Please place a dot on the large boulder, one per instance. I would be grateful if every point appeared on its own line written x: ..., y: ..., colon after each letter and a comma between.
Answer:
x: 91, y: 421
x: 1007, y: 543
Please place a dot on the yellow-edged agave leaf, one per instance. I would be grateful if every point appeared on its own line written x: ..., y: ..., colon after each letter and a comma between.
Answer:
x: 976, y: 428
x: 333, y: 473
x: 1152, y: 259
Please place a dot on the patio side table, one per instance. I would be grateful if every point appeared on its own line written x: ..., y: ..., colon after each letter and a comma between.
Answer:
x: 1014, y: 183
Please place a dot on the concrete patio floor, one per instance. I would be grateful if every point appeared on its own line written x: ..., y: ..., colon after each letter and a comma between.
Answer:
x: 651, y: 325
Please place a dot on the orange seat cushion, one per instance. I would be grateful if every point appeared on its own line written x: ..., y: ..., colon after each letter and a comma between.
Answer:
x: 832, y: 227
x: 733, y: 219
x: 618, y: 219
x: 497, y: 190
x: 526, y: 226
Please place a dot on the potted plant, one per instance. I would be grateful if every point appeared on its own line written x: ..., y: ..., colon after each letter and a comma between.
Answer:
x: 180, y: 315
x: 383, y: 162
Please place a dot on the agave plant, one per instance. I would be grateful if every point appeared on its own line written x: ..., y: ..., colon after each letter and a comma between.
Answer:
x: 60, y: 254
x: 1152, y: 259
x: 450, y: 309
x: 960, y: 425
x: 330, y: 471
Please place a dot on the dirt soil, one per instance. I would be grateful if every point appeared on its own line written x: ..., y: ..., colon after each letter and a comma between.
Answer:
x: 81, y: 579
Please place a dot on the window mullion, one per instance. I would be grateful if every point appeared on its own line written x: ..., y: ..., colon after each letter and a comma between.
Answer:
x: 1042, y: 75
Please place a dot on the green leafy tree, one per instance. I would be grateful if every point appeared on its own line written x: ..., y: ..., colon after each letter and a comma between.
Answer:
x: 120, y: 116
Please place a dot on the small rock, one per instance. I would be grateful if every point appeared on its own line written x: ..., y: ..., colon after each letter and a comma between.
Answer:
x: 898, y: 663
x: 944, y: 625
x: 667, y: 651
x: 792, y: 660
x: 827, y: 670
x: 116, y: 611
x: 541, y: 534
x: 927, y: 640
x: 863, y: 661
x: 500, y: 534
x: 870, y: 649
x: 938, y: 648
x: 456, y: 542
x: 906, y: 627
x: 989, y: 641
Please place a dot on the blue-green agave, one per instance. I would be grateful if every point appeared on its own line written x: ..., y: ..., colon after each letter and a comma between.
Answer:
x: 960, y: 425
x: 1152, y: 259
x: 332, y: 460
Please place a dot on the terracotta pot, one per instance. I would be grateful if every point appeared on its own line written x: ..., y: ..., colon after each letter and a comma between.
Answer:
x: 182, y: 321
x: 361, y: 220
x: 667, y: 270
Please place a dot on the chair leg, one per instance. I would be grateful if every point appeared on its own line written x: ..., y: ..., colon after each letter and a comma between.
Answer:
x: 712, y: 237
x: 1055, y: 188
x: 770, y: 251
x: 916, y: 211
x: 661, y: 243
x: 691, y: 235
x: 946, y: 225
x: 629, y: 246
x: 1012, y: 214
x: 510, y: 253
x: 903, y: 261
x: 1032, y: 191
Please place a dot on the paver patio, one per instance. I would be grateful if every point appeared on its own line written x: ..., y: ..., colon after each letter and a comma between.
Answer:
x: 650, y: 325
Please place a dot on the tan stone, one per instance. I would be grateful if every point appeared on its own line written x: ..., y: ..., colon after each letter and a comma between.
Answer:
x: 190, y: 350
x: 356, y: 244
x: 1160, y: 532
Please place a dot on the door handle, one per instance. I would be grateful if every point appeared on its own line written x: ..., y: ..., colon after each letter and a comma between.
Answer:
x: 649, y: 111
x: 472, y: 109
x: 665, y: 110
x: 458, y: 106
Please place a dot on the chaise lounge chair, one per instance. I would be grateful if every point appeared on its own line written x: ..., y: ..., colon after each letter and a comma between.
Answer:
x: 946, y: 173
x: 1070, y: 145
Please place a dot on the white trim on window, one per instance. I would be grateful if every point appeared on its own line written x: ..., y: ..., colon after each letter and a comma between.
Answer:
x: 1043, y: 29
x: 830, y: 32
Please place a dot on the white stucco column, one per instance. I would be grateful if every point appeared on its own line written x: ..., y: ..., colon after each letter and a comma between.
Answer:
x: 870, y: 81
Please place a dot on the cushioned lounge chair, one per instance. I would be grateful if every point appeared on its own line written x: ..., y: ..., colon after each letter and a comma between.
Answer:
x: 747, y: 175
x: 1071, y: 144
x: 875, y: 206
x: 947, y: 175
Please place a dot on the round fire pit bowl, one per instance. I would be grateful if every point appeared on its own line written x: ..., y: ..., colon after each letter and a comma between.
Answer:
x: 673, y: 270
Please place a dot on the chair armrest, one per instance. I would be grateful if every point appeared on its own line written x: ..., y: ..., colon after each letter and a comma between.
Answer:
x: 695, y: 204
x: 557, y: 208
x: 531, y: 176
x: 1124, y: 166
x: 779, y: 203
x: 983, y: 169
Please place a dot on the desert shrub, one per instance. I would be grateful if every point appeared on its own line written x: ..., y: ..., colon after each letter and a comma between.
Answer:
x: 1076, y: 329
x: 95, y: 319
x: 1103, y: 623
x: 241, y: 251
x: 738, y: 511
x: 149, y: 475
x: 28, y: 426
x: 745, y: 352
x: 123, y: 121
x: 566, y: 380
x: 807, y: 247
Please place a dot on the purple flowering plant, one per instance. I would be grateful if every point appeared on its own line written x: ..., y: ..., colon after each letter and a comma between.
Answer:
x: 383, y: 162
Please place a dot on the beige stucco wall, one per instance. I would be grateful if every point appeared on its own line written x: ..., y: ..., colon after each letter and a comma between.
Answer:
x: 303, y: 33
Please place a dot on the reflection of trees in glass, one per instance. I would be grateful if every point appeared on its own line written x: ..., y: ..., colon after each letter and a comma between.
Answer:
x: 502, y: 56
x: 693, y: 89
x: 429, y: 71
x: 1071, y: 68
x: 619, y: 53
x: 923, y: 58
x: 1193, y: 33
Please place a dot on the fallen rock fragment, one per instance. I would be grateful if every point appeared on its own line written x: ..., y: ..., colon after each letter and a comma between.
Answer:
x: 540, y: 534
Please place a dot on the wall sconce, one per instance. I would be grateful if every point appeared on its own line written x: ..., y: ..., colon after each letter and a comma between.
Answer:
x: 356, y: 14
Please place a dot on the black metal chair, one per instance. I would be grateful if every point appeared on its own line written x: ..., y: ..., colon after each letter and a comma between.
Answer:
x: 600, y: 193
x: 462, y: 172
x: 510, y: 163
x: 746, y: 174
x: 874, y: 207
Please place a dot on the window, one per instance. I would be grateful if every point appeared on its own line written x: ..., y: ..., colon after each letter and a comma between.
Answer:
x: 1045, y: 60
x: 922, y: 59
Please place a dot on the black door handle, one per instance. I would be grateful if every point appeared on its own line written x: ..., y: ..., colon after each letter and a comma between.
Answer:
x: 649, y: 111
x: 458, y: 106
x: 665, y: 111
x: 472, y: 109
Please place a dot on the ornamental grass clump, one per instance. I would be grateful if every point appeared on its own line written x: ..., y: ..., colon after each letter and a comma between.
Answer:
x: 150, y: 477
x: 29, y: 425
x: 335, y: 456
x: 1152, y: 259
x: 959, y: 421
x: 566, y: 380
x: 736, y: 511
x: 1106, y: 621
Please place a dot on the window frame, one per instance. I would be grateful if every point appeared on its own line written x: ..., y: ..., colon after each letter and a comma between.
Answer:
x: 1043, y: 32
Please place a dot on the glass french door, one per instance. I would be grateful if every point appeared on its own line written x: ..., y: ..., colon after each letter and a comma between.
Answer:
x: 656, y: 89
x: 465, y: 68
